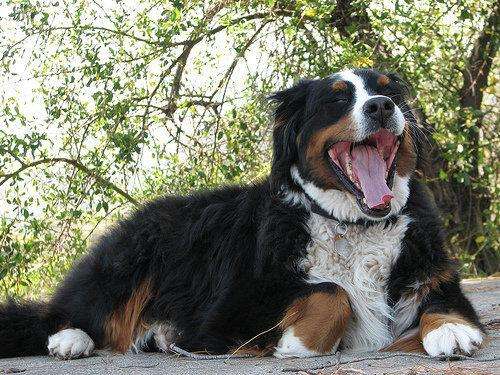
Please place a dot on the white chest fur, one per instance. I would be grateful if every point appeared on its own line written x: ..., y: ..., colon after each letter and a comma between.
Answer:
x: 360, y: 264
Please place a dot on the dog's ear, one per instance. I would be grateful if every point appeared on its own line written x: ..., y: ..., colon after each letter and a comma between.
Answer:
x: 288, y: 119
x: 402, y: 83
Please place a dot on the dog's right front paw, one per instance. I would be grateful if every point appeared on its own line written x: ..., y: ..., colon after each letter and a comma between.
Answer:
x: 290, y: 346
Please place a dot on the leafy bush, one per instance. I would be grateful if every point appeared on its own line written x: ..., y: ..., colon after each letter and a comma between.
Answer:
x: 104, y: 106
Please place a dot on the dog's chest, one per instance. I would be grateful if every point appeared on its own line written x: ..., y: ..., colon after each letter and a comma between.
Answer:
x: 360, y: 263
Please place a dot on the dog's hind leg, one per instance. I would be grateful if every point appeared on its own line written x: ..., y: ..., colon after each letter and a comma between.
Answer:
x: 104, y: 302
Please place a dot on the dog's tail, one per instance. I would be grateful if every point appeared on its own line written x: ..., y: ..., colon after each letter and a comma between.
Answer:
x: 25, y: 328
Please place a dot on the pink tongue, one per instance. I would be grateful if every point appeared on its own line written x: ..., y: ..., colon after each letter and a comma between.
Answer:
x: 370, y: 170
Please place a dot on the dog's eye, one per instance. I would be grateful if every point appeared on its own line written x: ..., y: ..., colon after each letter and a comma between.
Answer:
x: 339, y: 100
x: 394, y: 95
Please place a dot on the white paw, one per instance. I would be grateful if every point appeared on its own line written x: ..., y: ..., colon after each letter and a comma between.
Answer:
x: 70, y: 343
x: 291, y: 346
x: 452, y: 338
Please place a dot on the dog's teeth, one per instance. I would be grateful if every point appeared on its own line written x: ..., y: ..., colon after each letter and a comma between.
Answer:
x: 349, y: 170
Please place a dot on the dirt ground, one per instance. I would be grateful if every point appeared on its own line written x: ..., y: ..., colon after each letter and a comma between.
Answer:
x: 484, y: 294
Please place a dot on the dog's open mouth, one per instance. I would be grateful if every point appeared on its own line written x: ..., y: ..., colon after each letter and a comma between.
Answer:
x: 366, y: 169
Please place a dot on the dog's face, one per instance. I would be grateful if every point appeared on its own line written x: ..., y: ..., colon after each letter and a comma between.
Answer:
x: 350, y: 132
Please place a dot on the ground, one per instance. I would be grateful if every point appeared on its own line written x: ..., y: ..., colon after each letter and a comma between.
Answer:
x: 484, y: 294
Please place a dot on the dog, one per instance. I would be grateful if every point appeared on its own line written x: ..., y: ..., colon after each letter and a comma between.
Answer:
x: 341, y: 247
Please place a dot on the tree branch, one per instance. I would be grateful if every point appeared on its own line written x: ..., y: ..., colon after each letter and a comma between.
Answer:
x: 480, y: 61
x: 347, y: 14
x: 100, y: 180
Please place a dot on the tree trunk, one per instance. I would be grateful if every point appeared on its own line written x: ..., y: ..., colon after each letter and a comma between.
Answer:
x: 476, y: 199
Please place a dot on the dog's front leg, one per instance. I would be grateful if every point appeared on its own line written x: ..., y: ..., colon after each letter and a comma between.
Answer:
x: 315, y: 323
x: 449, y: 325
x: 446, y: 325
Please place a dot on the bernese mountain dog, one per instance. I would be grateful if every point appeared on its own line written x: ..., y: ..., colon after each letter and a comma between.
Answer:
x: 341, y: 247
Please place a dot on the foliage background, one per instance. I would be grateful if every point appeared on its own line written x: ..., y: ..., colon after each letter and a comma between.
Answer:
x: 104, y: 104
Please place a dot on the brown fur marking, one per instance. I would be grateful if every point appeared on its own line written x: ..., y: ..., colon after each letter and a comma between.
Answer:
x: 410, y: 342
x: 319, y: 320
x: 383, y: 80
x: 407, y: 156
x: 436, y: 280
x: 343, y: 130
x: 279, y: 121
x: 433, y: 283
x: 339, y: 86
x: 125, y: 322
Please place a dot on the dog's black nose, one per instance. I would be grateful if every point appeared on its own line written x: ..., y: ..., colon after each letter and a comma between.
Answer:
x: 379, y: 108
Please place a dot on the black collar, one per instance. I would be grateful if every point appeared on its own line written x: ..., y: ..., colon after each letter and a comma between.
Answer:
x: 363, y: 222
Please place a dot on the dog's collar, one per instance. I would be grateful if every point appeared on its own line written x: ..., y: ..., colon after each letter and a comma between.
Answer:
x: 363, y: 222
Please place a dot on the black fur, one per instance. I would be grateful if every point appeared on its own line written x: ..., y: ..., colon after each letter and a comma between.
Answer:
x: 289, y: 116
x: 423, y: 256
x: 25, y: 326
x: 222, y: 264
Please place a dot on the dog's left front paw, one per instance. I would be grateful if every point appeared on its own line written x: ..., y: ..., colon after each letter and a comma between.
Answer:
x: 451, y: 339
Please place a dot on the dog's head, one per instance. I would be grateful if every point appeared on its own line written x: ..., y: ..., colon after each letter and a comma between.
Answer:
x: 347, y: 141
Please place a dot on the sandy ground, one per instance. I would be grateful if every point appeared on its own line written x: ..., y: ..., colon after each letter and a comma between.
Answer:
x: 484, y: 294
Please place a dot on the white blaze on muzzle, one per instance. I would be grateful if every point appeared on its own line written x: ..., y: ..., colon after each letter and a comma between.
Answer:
x: 361, y: 96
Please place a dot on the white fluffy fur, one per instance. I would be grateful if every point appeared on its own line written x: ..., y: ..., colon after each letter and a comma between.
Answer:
x: 451, y: 338
x: 142, y: 340
x: 70, y: 343
x: 361, y: 265
x: 163, y: 334
x: 405, y: 312
x: 342, y: 204
x: 291, y: 346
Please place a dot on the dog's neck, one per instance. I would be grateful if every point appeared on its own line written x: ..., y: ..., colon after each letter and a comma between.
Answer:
x: 339, y: 205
